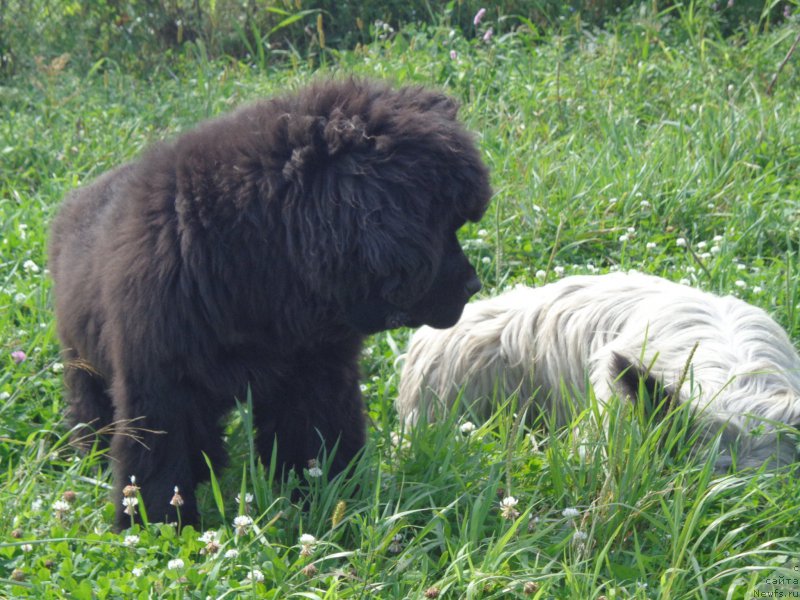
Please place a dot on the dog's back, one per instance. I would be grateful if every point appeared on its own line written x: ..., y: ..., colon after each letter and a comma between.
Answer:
x: 543, y: 342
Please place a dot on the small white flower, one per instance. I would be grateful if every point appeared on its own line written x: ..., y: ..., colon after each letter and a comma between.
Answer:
x: 396, y: 547
x: 680, y: 242
x: 705, y: 255
x: 30, y: 266
x: 541, y: 274
x: 131, y: 540
x: 718, y: 239
x: 486, y: 260
x: 508, y: 508
x: 57, y: 367
x: 580, y: 536
x: 632, y: 230
x: 209, y: 536
x: 36, y: 505
x: 685, y: 281
x: 137, y: 571
x: 715, y: 250
x: 757, y: 289
x: 26, y: 548
x: 248, y: 498
x: 307, y: 542
x: 242, y: 523
x: 571, y: 513
x: 176, y: 563
x: 650, y: 245
x: 254, y: 576
x: 130, y: 502
x: 467, y: 427
x: 232, y: 553
x: 313, y: 468
x: 740, y: 284
x: 644, y: 204
x: 558, y: 270
x: 702, y: 245
x: 61, y: 508
x: 482, y: 233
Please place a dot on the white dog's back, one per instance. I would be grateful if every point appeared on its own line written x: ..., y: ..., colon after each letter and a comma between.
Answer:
x: 744, y: 372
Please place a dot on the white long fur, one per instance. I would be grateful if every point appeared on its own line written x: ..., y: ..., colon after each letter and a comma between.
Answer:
x: 745, y: 373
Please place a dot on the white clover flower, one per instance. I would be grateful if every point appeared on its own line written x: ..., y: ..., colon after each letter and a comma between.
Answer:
x: 61, y: 508
x: 209, y: 536
x: 131, y: 540
x: 248, y: 498
x: 313, y: 468
x: 486, y: 260
x: 571, y: 513
x: 580, y: 536
x: 644, y: 204
x: 508, y: 508
x: 396, y: 547
x: 467, y: 427
x: 624, y: 238
x: 57, y: 367
x: 482, y: 233
x: 715, y: 250
x: 233, y: 553
x: 30, y: 266
x: 541, y: 274
x: 631, y: 230
x: 757, y: 289
x: 177, y: 499
x: 254, y: 576
x: 242, y: 523
x: 19, y: 298
x: 176, y: 563
x: 26, y: 548
x: 558, y: 270
x: 36, y: 505
x: 211, y: 539
x: 650, y: 245
x: 740, y: 284
x: 680, y: 242
x: 130, y: 502
x: 718, y: 239
x: 137, y: 571
x: 705, y: 255
x: 307, y: 542
x: 702, y: 245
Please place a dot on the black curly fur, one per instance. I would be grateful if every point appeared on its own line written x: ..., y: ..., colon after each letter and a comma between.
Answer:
x: 256, y: 252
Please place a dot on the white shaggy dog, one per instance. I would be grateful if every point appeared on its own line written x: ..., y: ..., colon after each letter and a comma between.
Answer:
x: 744, y: 377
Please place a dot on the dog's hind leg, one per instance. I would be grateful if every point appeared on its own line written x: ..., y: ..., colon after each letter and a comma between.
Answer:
x: 90, y: 412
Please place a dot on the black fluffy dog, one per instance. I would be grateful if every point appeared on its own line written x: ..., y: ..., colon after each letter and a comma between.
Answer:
x: 256, y: 252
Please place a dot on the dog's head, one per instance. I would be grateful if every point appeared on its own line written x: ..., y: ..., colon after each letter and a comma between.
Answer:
x: 381, y: 180
x: 743, y: 439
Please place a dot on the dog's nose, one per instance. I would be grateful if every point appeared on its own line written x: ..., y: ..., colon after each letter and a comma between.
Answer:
x: 473, y: 286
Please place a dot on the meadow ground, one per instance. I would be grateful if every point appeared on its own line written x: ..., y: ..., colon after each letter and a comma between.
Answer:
x: 653, y: 145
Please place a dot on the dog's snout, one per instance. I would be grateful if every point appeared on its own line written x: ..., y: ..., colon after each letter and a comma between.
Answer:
x: 473, y: 286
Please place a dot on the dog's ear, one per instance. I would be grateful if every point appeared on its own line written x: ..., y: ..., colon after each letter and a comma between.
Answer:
x: 639, y: 384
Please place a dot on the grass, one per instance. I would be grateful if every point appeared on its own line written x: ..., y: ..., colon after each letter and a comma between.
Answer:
x: 607, y: 149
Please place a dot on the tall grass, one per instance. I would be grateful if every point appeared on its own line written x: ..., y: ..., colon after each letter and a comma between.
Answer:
x: 650, y: 146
